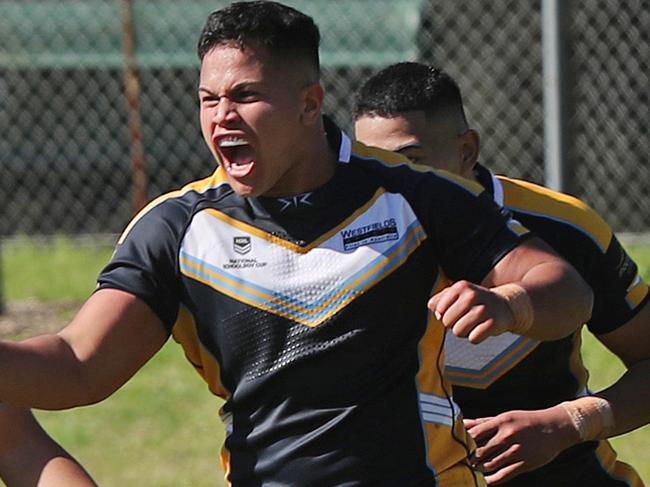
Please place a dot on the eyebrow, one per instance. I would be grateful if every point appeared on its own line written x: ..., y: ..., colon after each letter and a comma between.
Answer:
x: 205, y: 90
x: 237, y: 87
x: 412, y: 145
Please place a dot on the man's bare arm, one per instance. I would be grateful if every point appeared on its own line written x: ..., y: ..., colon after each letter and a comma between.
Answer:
x: 110, y: 338
x: 519, y: 441
x: 630, y: 395
x: 548, y: 291
x: 29, y: 457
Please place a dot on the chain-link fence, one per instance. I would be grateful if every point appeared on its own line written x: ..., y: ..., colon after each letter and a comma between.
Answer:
x: 66, y: 147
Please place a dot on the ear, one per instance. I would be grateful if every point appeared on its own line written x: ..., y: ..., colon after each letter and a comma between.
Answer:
x: 469, y: 151
x: 312, y: 104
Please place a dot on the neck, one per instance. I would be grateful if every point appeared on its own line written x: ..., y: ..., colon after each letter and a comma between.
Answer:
x: 316, y: 164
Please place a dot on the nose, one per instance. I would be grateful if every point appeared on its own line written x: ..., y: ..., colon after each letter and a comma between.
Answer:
x: 226, y: 111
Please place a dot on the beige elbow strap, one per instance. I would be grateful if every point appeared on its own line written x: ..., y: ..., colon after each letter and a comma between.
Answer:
x: 591, y: 415
x: 520, y: 305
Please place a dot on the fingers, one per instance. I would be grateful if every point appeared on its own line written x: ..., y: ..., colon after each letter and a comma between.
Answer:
x: 481, y: 427
x: 504, y: 474
x: 502, y: 466
x: 470, y: 423
x: 482, y: 330
x: 493, y: 442
x: 500, y: 452
x: 457, y: 307
x: 515, y: 442
x: 442, y: 301
x: 498, y: 456
x: 471, y: 311
x: 495, y: 436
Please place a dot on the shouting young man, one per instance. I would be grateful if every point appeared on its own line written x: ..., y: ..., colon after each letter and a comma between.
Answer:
x: 298, y: 279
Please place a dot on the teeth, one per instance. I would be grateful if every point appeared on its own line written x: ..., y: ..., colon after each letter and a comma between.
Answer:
x: 232, y: 142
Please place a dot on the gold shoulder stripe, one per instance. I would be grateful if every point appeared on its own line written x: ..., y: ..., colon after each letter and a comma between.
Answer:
x: 532, y: 198
x: 637, y: 292
x: 389, y: 158
x: 199, y: 186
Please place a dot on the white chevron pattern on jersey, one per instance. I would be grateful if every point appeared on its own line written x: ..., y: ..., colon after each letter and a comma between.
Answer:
x: 306, y: 284
x: 480, y: 365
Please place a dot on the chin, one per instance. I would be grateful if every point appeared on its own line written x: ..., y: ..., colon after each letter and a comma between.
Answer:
x: 245, y: 190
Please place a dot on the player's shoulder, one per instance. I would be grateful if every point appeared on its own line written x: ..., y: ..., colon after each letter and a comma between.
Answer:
x: 176, y: 207
x: 380, y: 156
x: 398, y: 167
x: 533, y: 199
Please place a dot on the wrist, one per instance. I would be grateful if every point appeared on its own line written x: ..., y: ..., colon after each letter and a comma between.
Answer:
x: 520, y: 305
x: 563, y: 427
x: 591, y: 416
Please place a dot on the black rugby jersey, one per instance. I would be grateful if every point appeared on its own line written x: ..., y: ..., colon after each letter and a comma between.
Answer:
x: 307, y: 314
x: 511, y: 372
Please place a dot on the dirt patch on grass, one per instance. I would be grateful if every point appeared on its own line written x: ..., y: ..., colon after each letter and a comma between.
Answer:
x: 32, y: 317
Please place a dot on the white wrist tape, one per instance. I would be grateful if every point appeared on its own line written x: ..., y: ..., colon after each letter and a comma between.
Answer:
x: 592, y: 417
x: 520, y: 305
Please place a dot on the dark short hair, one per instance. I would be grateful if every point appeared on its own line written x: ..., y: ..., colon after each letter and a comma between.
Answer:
x: 286, y: 32
x: 409, y: 86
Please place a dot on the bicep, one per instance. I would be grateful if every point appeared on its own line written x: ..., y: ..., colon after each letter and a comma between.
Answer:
x: 514, y: 266
x: 630, y: 342
x: 113, y: 335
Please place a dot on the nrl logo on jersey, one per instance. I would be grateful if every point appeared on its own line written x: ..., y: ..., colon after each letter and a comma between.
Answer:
x: 242, y: 245
x: 370, y: 234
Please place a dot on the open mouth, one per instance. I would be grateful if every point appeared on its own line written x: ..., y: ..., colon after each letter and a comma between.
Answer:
x: 238, y: 156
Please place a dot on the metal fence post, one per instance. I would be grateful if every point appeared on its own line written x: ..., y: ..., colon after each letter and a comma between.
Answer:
x: 132, y: 89
x: 555, y: 16
x: 2, y: 282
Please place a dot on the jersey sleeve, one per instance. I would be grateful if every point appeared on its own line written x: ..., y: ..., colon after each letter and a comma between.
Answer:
x: 145, y: 262
x: 580, y: 235
x: 619, y: 290
x: 471, y: 233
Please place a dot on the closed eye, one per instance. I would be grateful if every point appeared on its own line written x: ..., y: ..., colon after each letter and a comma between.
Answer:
x: 208, y: 98
x: 412, y: 153
x: 246, y: 96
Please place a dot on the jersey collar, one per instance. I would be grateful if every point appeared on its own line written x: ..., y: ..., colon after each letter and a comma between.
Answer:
x: 338, y: 140
x: 490, y: 182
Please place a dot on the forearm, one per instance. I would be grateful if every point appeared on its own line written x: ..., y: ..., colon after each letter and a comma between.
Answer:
x: 46, y: 465
x: 54, y: 469
x: 29, y: 456
x: 629, y: 397
x: 41, y: 372
x: 110, y: 338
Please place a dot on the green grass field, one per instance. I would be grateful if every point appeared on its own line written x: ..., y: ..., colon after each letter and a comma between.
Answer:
x: 162, y: 428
